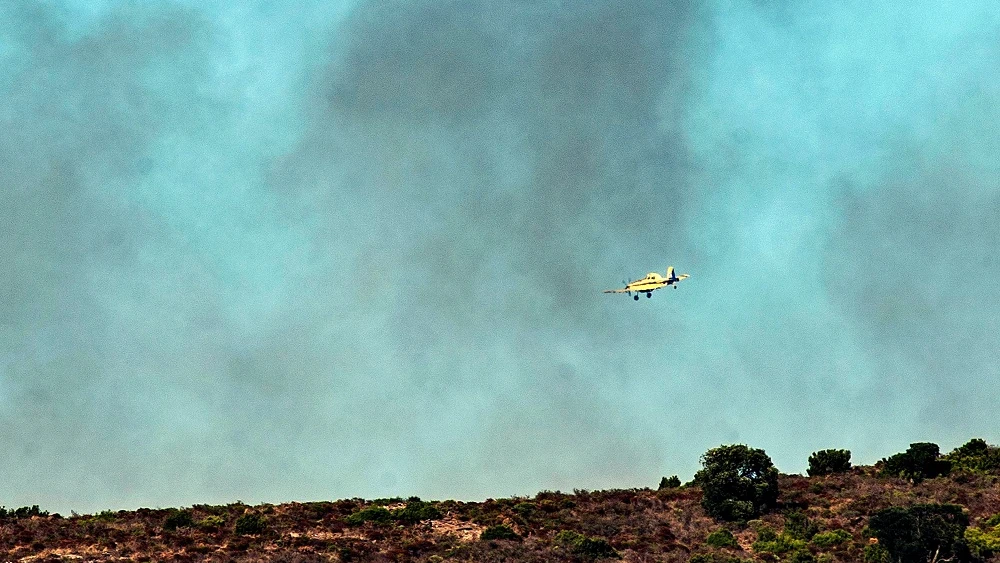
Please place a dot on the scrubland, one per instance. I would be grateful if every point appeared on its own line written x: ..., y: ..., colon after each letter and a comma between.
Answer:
x: 820, y: 518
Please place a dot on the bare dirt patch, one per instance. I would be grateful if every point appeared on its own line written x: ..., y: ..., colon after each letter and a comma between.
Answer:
x: 464, y: 531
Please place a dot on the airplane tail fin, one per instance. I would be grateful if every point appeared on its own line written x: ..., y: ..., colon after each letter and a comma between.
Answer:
x: 670, y: 273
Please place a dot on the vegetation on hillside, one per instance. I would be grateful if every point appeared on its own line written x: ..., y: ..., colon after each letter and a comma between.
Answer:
x: 907, y: 508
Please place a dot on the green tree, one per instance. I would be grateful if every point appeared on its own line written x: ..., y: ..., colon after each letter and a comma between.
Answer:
x: 920, y: 461
x: 738, y: 483
x: 825, y: 462
x: 922, y: 532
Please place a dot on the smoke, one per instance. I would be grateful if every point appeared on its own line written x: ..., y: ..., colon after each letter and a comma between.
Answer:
x: 276, y: 252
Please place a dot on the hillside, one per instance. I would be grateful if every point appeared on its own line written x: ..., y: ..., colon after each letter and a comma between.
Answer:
x: 634, y: 525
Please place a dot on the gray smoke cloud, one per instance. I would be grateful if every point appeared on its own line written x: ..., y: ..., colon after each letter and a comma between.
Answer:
x: 283, y: 252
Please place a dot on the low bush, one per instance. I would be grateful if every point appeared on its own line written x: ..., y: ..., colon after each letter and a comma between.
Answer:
x: 249, y: 524
x: 763, y: 530
x: 499, y: 532
x: 875, y: 553
x: 211, y: 523
x: 415, y: 511
x: 105, y: 516
x: 377, y: 514
x: 779, y: 546
x: 721, y: 538
x: 716, y: 558
x: 798, y: 526
x: 827, y: 462
x: 586, y: 546
x: 178, y: 519
x: 596, y: 548
x: 568, y: 537
x: 983, y: 543
x: 975, y: 456
x: 830, y: 539
x: 801, y: 556
x: 524, y: 509
x: 984, y: 540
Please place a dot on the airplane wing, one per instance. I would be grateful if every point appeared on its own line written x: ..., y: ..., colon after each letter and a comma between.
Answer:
x: 616, y: 291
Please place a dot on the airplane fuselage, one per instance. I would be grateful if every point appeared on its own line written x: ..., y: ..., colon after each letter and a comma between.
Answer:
x: 652, y: 281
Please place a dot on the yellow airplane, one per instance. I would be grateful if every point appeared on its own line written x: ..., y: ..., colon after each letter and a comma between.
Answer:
x: 650, y: 283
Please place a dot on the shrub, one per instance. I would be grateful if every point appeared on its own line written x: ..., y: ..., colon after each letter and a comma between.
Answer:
x: 211, y: 522
x: 376, y: 514
x: 524, y: 509
x: 586, y: 546
x: 831, y: 539
x: 178, y: 519
x: 779, y: 546
x: 596, y: 548
x: 499, y: 532
x: 826, y: 462
x: 738, y: 482
x: 921, y: 531
x: 415, y: 511
x: 984, y: 541
x: 568, y: 537
x: 721, y: 538
x: 716, y: 558
x: 764, y: 531
x: 801, y: 556
x: 920, y: 461
x: 105, y: 516
x: 875, y: 553
x: 798, y: 526
x: 975, y: 456
x: 23, y: 512
x: 670, y: 482
x: 248, y: 524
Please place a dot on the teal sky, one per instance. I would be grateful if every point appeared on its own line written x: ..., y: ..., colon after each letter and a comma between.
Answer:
x: 277, y: 251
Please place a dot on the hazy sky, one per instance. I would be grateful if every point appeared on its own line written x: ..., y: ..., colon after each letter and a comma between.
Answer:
x: 307, y: 250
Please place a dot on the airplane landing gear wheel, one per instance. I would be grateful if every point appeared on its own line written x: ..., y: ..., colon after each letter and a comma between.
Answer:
x: 636, y: 297
x: 649, y: 295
